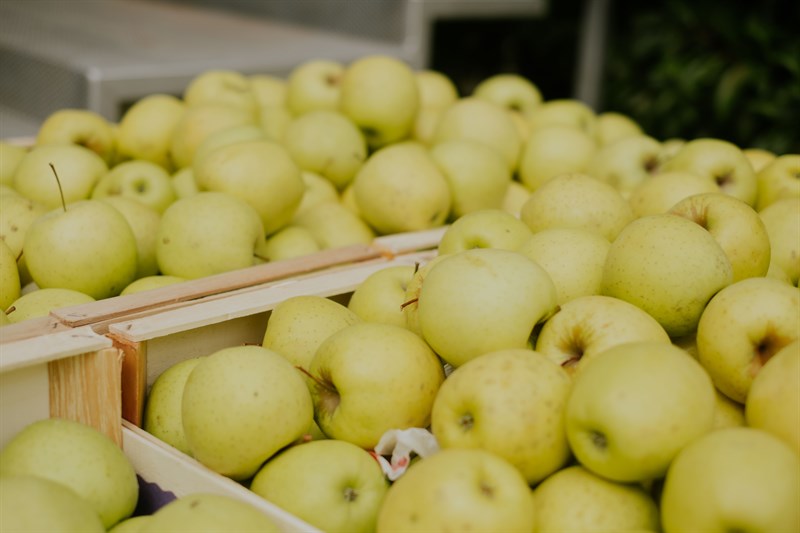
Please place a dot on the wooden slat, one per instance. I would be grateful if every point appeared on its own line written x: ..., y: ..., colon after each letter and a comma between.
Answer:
x: 31, y: 328
x: 41, y: 349
x: 134, y: 379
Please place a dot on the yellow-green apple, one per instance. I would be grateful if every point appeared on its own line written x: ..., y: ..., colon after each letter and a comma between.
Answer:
x: 512, y: 91
x: 313, y: 85
x: 205, y: 234
x: 260, y: 173
x: 511, y: 403
x: 289, y: 241
x: 146, y: 129
x: 482, y: 121
x: 637, y: 388
x: 10, y: 157
x: 4, y: 321
x: 552, y: 151
x: 317, y: 190
x: 209, y: 512
x: 327, y: 143
x: 779, y: 179
x: 10, y: 286
x: 741, y: 479
x: 274, y: 121
x: 78, y: 168
x: 670, y: 267
x: 87, y: 246
x: 298, y: 325
x: 458, y: 490
x: 660, y: 192
x: 400, y: 188
x: 240, y: 406
x: 144, y: 221
x: 228, y: 136
x: 722, y: 160
x: 671, y: 146
x: 368, y: 378
x: 40, y: 302
x: 268, y: 90
x: 379, y: 94
x: 196, y: 123
x: 79, y: 126
x: 626, y: 163
x: 133, y: 524
x: 773, y: 403
x: 604, y: 505
x: 425, y: 124
x: 482, y: 300
x: 140, y: 180
x: 727, y: 413
x: 485, y: 228
x: 759, y: 157
x: 331, y: 484
x: 564, y: 112
x: 183, y: 183
x: 77, y: 456
x: 577, y: 200
x: 782, y: 220
x: 574, y: 258
x: 221, y: 86
x: 410, y: 305
x: 742, y: 327
x: 162, y: 412
x: 148, y: 283
x: 380, y: 297
x: 587, y: 326
x: 436, y: 89
x: 612, y: 126
x: 333, y: 225
x: 476, y: 173
x: 516, y: 196
x: 347, y: 198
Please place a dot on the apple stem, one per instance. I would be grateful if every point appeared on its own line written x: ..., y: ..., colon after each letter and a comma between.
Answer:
x: 324, y: 384
x: 60, y: 190
x: 10, y: 310
x: 406, y: 304
x: 19, y: 256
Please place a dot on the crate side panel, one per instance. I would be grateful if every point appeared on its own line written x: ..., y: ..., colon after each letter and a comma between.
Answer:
x: 24, y: 399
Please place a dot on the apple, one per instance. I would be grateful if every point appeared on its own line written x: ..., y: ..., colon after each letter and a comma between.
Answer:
x: 573, y: 257
x: 727, y: 413
x: 742, y: 327
x: 779, y: 179
x: 327, y: 143
x: 722, y: 160
x: 380, y: 297
x: 436, y: 89
x: 134, y: 524
x: 144, y: 221
x: 773, y: 402
x: 516, y: 196
x: 209, y: 512
x: 274, y: 121
x: 611, y: 126
x: 410, y: 304
x: 289, y: 241
x: 317, y: 190
x: 577, y: 200
x: 627, y: 162
x: 485, y: 228
x: 481, y: 300
x: 221, y: 86
x: 226, y: 137
x: 758, y: 157
x: 637, y: 388
x: 196, y: 123
x: 587, y: 326
x: 736, y: 478
x: 77, y: 456
x: 668, y: 266
x: 400, y: 188
x: 564, y: 112
x: 40, y: 302
x: 603, y: 505
x: 368, y: 378
x: 148, y: 283
x: 79, y: 126
x: 782, y: 220
x: 268, y: 90
x: 458, y: 490
x: 205, y: 234
x: 331, y: 484
x: 660, y: 192
x: 10, y: 286
x: 298, y: 325
x: 425, y: 124
x: 477, y: 175
x: 10, y: 157
x: 240, y: 406
x: 552, y: 151
x: 673, y: 145
x: 4, y: 321
x: 140, y: 180
x: 146, y: 129
x: 184, y: 184
x: 333, y: 225
x: 347, y: 198
x: 512, y: 91
x: 379, y: 94
x: 314, y: 85
x: 509, y: 402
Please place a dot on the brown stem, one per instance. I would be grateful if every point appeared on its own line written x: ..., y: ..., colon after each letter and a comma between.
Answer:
x: 60, y: 190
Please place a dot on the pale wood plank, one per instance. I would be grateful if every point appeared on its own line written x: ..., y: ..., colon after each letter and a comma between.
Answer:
x: 44, y: 348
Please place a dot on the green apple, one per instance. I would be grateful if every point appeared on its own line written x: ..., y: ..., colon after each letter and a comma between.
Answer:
x: 298, y: 325
x: 206, y: 512
x: 611, y: 126
x: 78, y: 168
x: 289, y: 241
x: 268, y: 90
x: 742, y: 327
x: 10, y: 286
x: 332, y: 225
x: 162, y: 413
x: 206, y: 234
x: 436, y: 89
x: 477, y: 175
x: 17, y: 213
x: 380, y: 297
x: 368, y: 378
x: 483, y: 300
x: 673, y: 145
x: 79, y: 457
x: 261, y: 173
x: 779, y: 179
x: 516, y: 196
x: 146, y: 129
x: 4, y: 321
x: 221, y: 86
x: 274, y: 121
x: 587, y: 326
x: 327, y: 143
x: 331, y: 484
x: 40, y: 302
x: 512, y: 91
x: 482, y: 404
x: 425, y: 124
x: 603, y: 505
x: 482, y: 121
x: 196, y: 123
x: 627, y: 162
x: 573, y: 257
x: 144, y: 221
x: 379, y: 94
x: 400, y: 188
x: 226, y: 137
x: 564, y: 112
x: 552, y: 151
x: 773, y: 402
x: 148, y: 283
x: 668, y: 266
x: 10, y: 157
x: 240, y: 406
x: 458, y: 490
x: 317, y: 190
x: 314, y: 85
x: 722, y: 160
x: 759, y: 157
x: 782, y: 220
x: 727, y: 413
x: 658, y: 193
x: 577, y: 200
x: 34, y: 504
x: 740, y: 479
x: 184, y: 184
x: 484, y: 228
x: 735, y: 225
x: 410, y: 304
x: 633, y: 389
x: 134, y: 524
x: 82, y: 127
x: 347, y: 198
x: 140, y: 180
